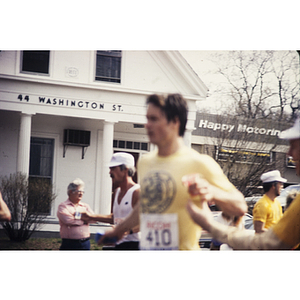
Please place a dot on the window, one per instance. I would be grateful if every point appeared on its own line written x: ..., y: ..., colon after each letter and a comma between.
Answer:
x: 243, y: 156
x: 40, y: 169
x: 108, y: 66
x: 290, y: 163
x: 130, y: 145
x: 36, y: 61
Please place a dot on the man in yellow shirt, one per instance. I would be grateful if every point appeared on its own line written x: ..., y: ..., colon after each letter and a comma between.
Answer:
x: 267, y: 210
x: 162, y: 216
x: 283, y: 235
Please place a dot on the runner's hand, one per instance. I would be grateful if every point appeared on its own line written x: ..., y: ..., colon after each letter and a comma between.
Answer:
x: 198, y: 186
x: 110, y: 233
x: 86, y: 217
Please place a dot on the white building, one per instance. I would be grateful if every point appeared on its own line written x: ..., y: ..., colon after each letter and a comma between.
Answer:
x: 64, y: 113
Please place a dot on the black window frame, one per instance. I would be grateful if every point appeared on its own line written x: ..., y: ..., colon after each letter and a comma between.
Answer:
x: 35, y: 62
x: 108, y: 66
x: 41, y: 164
x: 132, y: 145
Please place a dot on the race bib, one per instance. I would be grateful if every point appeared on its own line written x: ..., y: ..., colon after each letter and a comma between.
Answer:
x: 159, y: 232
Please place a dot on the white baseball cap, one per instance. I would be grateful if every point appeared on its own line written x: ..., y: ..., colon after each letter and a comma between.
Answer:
x: 272, y: 176
x: 292, y: 133
x: 121, y: 158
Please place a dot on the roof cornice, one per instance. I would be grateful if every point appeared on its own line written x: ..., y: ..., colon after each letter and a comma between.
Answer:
x: 187, y: 72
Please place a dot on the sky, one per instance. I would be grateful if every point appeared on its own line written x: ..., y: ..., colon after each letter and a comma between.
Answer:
x: 201, y: 63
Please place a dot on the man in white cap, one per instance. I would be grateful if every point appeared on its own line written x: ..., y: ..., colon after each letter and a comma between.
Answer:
x: 283, y: 235
x: 267, y: 210
x: 127, y: 195
x: 165, y: 224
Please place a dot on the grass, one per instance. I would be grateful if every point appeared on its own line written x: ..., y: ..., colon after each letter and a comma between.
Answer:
x: 37, y: 244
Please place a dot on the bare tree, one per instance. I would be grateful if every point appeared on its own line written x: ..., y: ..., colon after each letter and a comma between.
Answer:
x: 261, y: 90
x: 244, y: 147
x: 243, y: 158
x: 261, y: 84
x: 28, y: 202
x: 285, y: 70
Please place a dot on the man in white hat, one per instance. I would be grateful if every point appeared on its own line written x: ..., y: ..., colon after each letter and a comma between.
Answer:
x: 163, y: 219
x: 127, y: 195
x: 283, y: 235
x: 267, y: 210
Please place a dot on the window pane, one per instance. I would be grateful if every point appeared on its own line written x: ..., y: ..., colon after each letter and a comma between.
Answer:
x: 115, y: 144
x: 40, y: 174
x: 45, y: 167
x: 121, y: 144
x: 41, y: 157
x: 34, y: 164
x: 136, y: 146
x: 36, y: 61
x: 128, y: 145
x: 145, y: 146
x: 131, y: 145
x: 108, y: 66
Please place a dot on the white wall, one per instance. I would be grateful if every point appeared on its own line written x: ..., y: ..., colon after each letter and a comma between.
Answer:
x: 149, y: 71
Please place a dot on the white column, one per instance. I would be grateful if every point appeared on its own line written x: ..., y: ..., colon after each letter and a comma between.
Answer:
x: 24, y: 144
x: 98, y: 172
x: 107, y: 152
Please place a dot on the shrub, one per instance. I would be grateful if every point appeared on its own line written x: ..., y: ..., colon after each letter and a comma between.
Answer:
x: 29, y: 202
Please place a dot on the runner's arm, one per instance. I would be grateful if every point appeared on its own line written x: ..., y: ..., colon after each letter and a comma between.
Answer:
x: 129, y: 223
x: 93, y: 218
x: 135, y: 197
x: 234, y: 237
x: 232, y: 202
x: 4, y: 211
x: 259, y: 226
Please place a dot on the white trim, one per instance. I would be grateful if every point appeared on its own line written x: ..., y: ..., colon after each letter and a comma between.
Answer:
x: 187, y: 72
x: 134, y: 137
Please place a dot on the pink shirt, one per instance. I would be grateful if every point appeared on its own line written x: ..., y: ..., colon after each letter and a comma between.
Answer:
x: 70, y: 228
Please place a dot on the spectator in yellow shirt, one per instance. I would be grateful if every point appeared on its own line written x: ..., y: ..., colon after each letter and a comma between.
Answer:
x: 268, y: 211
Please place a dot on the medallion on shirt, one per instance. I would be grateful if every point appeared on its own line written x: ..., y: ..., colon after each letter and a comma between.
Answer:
x: 158, y: 190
